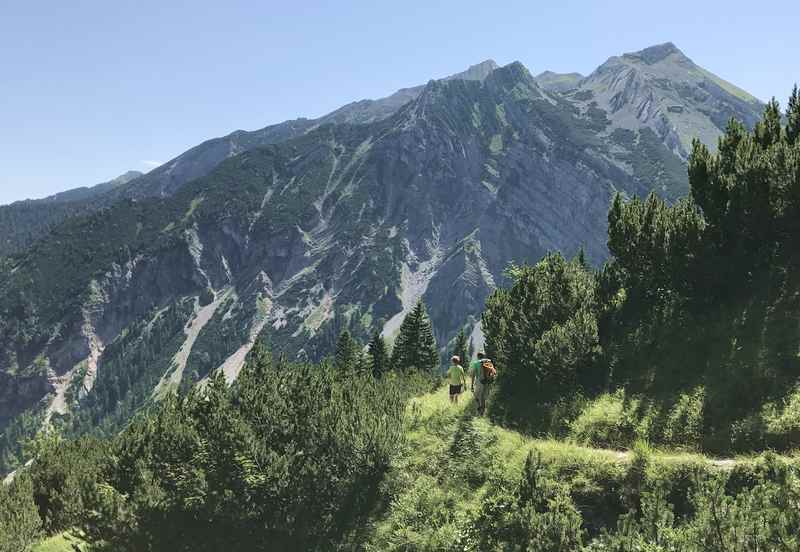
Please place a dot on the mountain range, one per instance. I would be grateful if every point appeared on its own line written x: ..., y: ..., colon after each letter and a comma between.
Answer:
x: 303, y: 229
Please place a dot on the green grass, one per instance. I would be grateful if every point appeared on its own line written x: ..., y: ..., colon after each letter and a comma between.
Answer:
x: 452, y: 458
x: 65, y: 542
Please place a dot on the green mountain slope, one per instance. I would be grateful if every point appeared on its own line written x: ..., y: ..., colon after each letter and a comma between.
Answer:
x: 24, y: 222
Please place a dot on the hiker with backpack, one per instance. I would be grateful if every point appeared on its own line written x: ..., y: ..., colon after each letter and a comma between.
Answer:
x: 483, y: 374
x: 457, y: 379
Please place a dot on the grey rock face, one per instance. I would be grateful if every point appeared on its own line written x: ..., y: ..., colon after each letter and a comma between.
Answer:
x: 661, y: 89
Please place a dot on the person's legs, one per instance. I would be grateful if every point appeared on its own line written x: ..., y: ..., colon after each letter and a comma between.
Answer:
x: 479, y: 395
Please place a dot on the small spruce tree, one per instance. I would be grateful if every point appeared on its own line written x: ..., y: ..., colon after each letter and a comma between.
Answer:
x: 581, y: 258
x: 379, y: 356
x: 415, y: 347
x: 461, y: 348
x: 768, y: 130
x: 348, y: 354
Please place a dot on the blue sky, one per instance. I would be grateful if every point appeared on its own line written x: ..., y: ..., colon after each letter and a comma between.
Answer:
x: 91, y: 89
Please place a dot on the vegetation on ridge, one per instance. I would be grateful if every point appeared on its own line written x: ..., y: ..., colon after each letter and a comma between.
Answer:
x: 690, y: 328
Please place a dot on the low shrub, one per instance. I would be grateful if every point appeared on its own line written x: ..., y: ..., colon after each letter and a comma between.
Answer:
x: 424, y: 517
x: 534, y: 513
x: 606, y: 423
x: 684, y: 423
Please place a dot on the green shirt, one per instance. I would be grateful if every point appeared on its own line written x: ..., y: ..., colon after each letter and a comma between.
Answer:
x: 475, y: 369
x: 455, y: 375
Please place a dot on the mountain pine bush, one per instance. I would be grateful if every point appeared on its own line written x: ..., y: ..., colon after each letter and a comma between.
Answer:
x: 20, y: 524
x: 287, y: 459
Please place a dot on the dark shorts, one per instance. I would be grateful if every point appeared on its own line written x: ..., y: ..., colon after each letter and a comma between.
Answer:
x: 455, y: 389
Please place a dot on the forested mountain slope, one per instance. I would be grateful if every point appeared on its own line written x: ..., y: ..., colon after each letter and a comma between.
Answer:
x: 23, y: 222
x: 345, y: 226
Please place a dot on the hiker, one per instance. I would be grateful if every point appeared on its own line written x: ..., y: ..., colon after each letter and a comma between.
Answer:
x: 482, y: 372
x: 457, y: 379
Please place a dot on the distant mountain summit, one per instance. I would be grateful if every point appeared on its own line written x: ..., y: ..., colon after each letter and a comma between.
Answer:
x: 477, y: 72
x: 658, y: 86
x: 661, y: 89
x: 198, y: 161
x: 657, y: 53
x: 304, y: 229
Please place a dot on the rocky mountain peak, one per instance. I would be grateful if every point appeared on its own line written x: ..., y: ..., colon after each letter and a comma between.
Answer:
x: 657, y: 53
x: 477, y: 72
x: 453, y: 100
x: 513, y: 74
x: 662, y: 60
x: 661, y: 88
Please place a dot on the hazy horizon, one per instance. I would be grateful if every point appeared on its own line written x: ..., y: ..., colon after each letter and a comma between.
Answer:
x: 94, y: 90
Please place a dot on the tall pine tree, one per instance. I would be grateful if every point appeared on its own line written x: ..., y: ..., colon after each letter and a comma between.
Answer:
x: 415, y: 347
x: 379, y: 356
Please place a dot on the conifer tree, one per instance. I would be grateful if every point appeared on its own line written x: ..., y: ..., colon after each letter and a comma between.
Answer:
x: 581, y: 258
x: 348, y: 357
x: 20, y: 524
x: 793, y: 117
x: 363, y: 362
x: 379, y: 356
x: 461, y: 348
x: 768, y: 129
x: 415, y: 347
